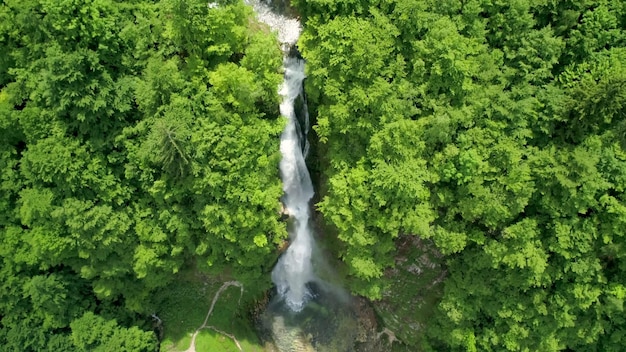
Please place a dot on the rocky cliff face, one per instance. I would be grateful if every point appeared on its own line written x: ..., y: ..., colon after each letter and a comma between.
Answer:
x: 416, y: 286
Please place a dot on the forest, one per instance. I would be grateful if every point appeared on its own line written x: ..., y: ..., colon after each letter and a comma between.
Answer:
x: 139, y: 140
x: 130, y: 149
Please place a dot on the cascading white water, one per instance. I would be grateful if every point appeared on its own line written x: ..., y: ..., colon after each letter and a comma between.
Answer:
x: 294, y: 269
x: 287, y: 28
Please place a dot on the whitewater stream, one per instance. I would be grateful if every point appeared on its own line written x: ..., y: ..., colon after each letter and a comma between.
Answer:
x: 294, y: 269
x: 307, y: 313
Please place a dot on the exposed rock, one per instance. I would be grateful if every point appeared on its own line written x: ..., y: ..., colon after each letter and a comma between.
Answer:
x: 327, y: 323
x: 289, y: 338
x: 416, y: 286
x: 391, y: 336
x: 367, y: 337
x: 284, y: 213
x: 366, y: 318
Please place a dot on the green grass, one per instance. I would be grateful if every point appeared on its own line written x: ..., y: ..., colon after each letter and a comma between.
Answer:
x: 183, y: 306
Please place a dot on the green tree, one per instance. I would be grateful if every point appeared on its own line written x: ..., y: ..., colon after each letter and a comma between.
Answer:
x: 493, y: 128
x: 120, y: 153
x: 94, y: 333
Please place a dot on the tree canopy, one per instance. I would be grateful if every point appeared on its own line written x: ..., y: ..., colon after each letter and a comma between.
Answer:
x: 495, y: 129
x: 137, y: 138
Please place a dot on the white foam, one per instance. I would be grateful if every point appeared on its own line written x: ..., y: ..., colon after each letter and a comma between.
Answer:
x: 288, y: 29
x: 294, y: 269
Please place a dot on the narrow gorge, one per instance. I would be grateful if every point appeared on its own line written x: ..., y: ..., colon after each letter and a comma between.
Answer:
x: 307, y: 313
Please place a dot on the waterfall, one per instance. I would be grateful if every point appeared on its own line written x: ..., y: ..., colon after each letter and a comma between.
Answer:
x: 311, y: 311
x: 294, y: 269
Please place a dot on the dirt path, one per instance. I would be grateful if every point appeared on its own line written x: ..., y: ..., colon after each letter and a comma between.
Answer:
x: 192, y: 346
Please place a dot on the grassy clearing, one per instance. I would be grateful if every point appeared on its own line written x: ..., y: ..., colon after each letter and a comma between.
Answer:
x: 183, y: 306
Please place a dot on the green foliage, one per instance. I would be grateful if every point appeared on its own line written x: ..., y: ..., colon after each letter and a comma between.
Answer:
x: 210, y: 34
x: 138, y: 138
x: 168, y: 143
x: 495, y: 129
x: 94, y: 333
x: 235, y: 86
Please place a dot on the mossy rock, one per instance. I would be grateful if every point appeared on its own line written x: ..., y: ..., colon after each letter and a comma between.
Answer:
x: 415, y: 287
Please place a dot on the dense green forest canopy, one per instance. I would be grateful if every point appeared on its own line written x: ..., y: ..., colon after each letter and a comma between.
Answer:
x: 495, y: 128
x: 136, y: 137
